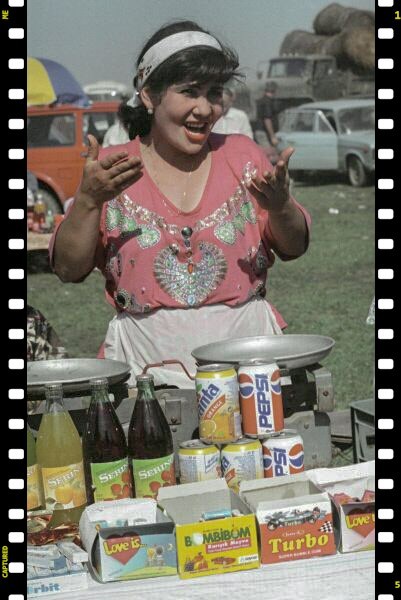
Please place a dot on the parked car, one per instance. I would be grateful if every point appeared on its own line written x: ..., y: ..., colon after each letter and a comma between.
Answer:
x: 336, y: 135
x: 57, y: 145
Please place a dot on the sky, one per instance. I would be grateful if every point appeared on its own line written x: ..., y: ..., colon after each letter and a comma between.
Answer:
x: 100, y: 39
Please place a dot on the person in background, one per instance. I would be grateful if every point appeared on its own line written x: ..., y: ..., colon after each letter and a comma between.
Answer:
x: 116, y: 134
x: 183, y: 223
x: 233, y: 120
x: 267, y: 112
x: 43, y: 342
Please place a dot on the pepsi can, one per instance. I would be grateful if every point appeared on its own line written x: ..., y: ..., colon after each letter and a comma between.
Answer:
x: 260, y: 398
x: 283, y: 453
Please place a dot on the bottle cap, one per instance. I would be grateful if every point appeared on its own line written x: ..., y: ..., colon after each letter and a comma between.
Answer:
x: 53, y: 390
x: 99, y: 382
x: 145, y: 377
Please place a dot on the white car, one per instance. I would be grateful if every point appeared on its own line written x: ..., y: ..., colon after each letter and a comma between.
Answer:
x: 336, y: 135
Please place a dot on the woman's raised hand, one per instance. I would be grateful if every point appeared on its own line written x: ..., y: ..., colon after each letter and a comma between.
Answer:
x: 272, y: 189
x: 105, y: 179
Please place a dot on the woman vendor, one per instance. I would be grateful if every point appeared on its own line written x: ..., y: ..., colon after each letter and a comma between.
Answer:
x: 183, y: 223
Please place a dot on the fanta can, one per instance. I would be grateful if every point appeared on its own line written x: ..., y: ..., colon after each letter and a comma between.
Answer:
x: 260, y: 398
x: 283, y: 453
x: 218, y: 403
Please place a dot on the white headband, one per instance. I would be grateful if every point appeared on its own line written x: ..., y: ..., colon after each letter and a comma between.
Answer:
x: 163, y: 50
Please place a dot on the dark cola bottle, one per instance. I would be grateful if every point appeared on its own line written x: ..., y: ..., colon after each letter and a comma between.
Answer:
x: 105, y: 451
x: 150, y: 443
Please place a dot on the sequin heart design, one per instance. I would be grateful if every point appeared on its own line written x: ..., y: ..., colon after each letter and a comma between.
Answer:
x: 361, y: 520
x: 190, y: 283
x: 248, y: 212
x: 122, y: 549
x: 149, y: 237
x: 239, y: 223
x: 226, y: 233
x: 113, y: 216
x: 127, y: 225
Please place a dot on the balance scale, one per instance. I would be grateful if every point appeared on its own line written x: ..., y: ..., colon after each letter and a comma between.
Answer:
x: 307, y: 387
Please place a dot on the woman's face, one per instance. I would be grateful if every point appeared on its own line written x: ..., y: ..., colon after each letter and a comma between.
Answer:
x: 185, y: 115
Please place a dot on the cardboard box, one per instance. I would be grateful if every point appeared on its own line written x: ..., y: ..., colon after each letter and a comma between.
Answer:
x: 130, y: 551
x: 213, y: 546
x: 294, y: 517
x: 355, y: 518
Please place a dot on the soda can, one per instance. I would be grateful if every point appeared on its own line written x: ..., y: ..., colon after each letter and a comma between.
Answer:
x: 260, y: 398
x: 283, y: 453
x: 198, y: 461
x: 218, y: 403
x: 241, y: 460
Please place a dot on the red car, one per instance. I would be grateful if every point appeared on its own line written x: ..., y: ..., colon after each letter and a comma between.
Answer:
x: 57, y: 145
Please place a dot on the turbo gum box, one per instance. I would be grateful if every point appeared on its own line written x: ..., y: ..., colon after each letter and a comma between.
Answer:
x: 130, y: 551
x: 215, y: 546
x: 294, y: 518
x: 352, y: 491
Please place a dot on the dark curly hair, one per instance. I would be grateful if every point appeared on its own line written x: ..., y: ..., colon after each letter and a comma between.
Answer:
x: 200, y: 64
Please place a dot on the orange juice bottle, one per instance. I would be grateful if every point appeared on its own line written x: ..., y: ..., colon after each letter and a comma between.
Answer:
x: 34, y: 477
x: 59, y: 453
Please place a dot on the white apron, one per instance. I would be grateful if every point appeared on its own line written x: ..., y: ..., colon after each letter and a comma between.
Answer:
x: 173, y: 333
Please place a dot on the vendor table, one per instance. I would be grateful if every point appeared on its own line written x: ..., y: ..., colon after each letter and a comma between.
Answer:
x: 339, y: 577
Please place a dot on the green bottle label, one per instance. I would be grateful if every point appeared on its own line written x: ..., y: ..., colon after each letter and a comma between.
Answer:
x: 111, y: 480
x: 152, y: 473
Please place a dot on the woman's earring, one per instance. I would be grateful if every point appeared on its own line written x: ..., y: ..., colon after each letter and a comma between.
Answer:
x: 150, y: 111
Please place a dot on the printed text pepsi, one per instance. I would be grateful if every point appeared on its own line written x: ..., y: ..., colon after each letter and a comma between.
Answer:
x: 260, y: 399
x: 283, y: 454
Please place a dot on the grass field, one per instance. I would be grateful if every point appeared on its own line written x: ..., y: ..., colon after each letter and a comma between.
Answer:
x: 328, y: 291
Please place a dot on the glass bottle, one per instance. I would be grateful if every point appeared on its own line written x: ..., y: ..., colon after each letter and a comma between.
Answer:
x: 105, y: 451
x: 39, y: 214
x: 34, y: 475
x: 150, y: 443
x: 59, y: 453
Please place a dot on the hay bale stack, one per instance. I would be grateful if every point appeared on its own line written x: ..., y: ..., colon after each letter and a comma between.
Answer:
x: 304, y: 42
x: 336, y: 18
x: 359, y: 49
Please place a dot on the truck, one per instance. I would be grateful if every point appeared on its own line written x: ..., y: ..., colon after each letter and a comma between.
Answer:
x: 300, y: 79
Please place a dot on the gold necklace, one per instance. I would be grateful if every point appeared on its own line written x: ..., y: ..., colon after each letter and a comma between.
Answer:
x: 186, y: 231
x: 184, y: 193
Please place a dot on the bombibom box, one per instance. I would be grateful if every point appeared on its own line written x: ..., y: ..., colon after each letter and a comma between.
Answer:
x: 132, y: 550
x: 294, y: 517
x: 352, y: 491
x: 207, y: 547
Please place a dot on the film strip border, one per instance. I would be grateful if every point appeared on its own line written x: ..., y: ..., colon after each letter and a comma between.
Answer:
x: 388, y: 112
x: 13, y: 184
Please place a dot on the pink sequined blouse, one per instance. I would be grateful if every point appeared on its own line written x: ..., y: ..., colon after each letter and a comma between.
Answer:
x: 153, y: 256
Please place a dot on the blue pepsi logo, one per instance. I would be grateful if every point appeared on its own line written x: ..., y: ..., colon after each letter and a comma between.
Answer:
x: 245, y: 386
x: 296, y: 458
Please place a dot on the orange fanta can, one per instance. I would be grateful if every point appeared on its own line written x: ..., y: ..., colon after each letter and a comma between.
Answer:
x: 218, y: 403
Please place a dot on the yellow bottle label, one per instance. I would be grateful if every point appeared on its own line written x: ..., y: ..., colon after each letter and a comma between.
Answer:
x: 33, y: 487
x: 64, y: 487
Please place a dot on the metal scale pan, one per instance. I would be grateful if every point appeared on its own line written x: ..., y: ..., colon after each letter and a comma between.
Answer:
x: 289, y: 351
x: 75, y: 374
